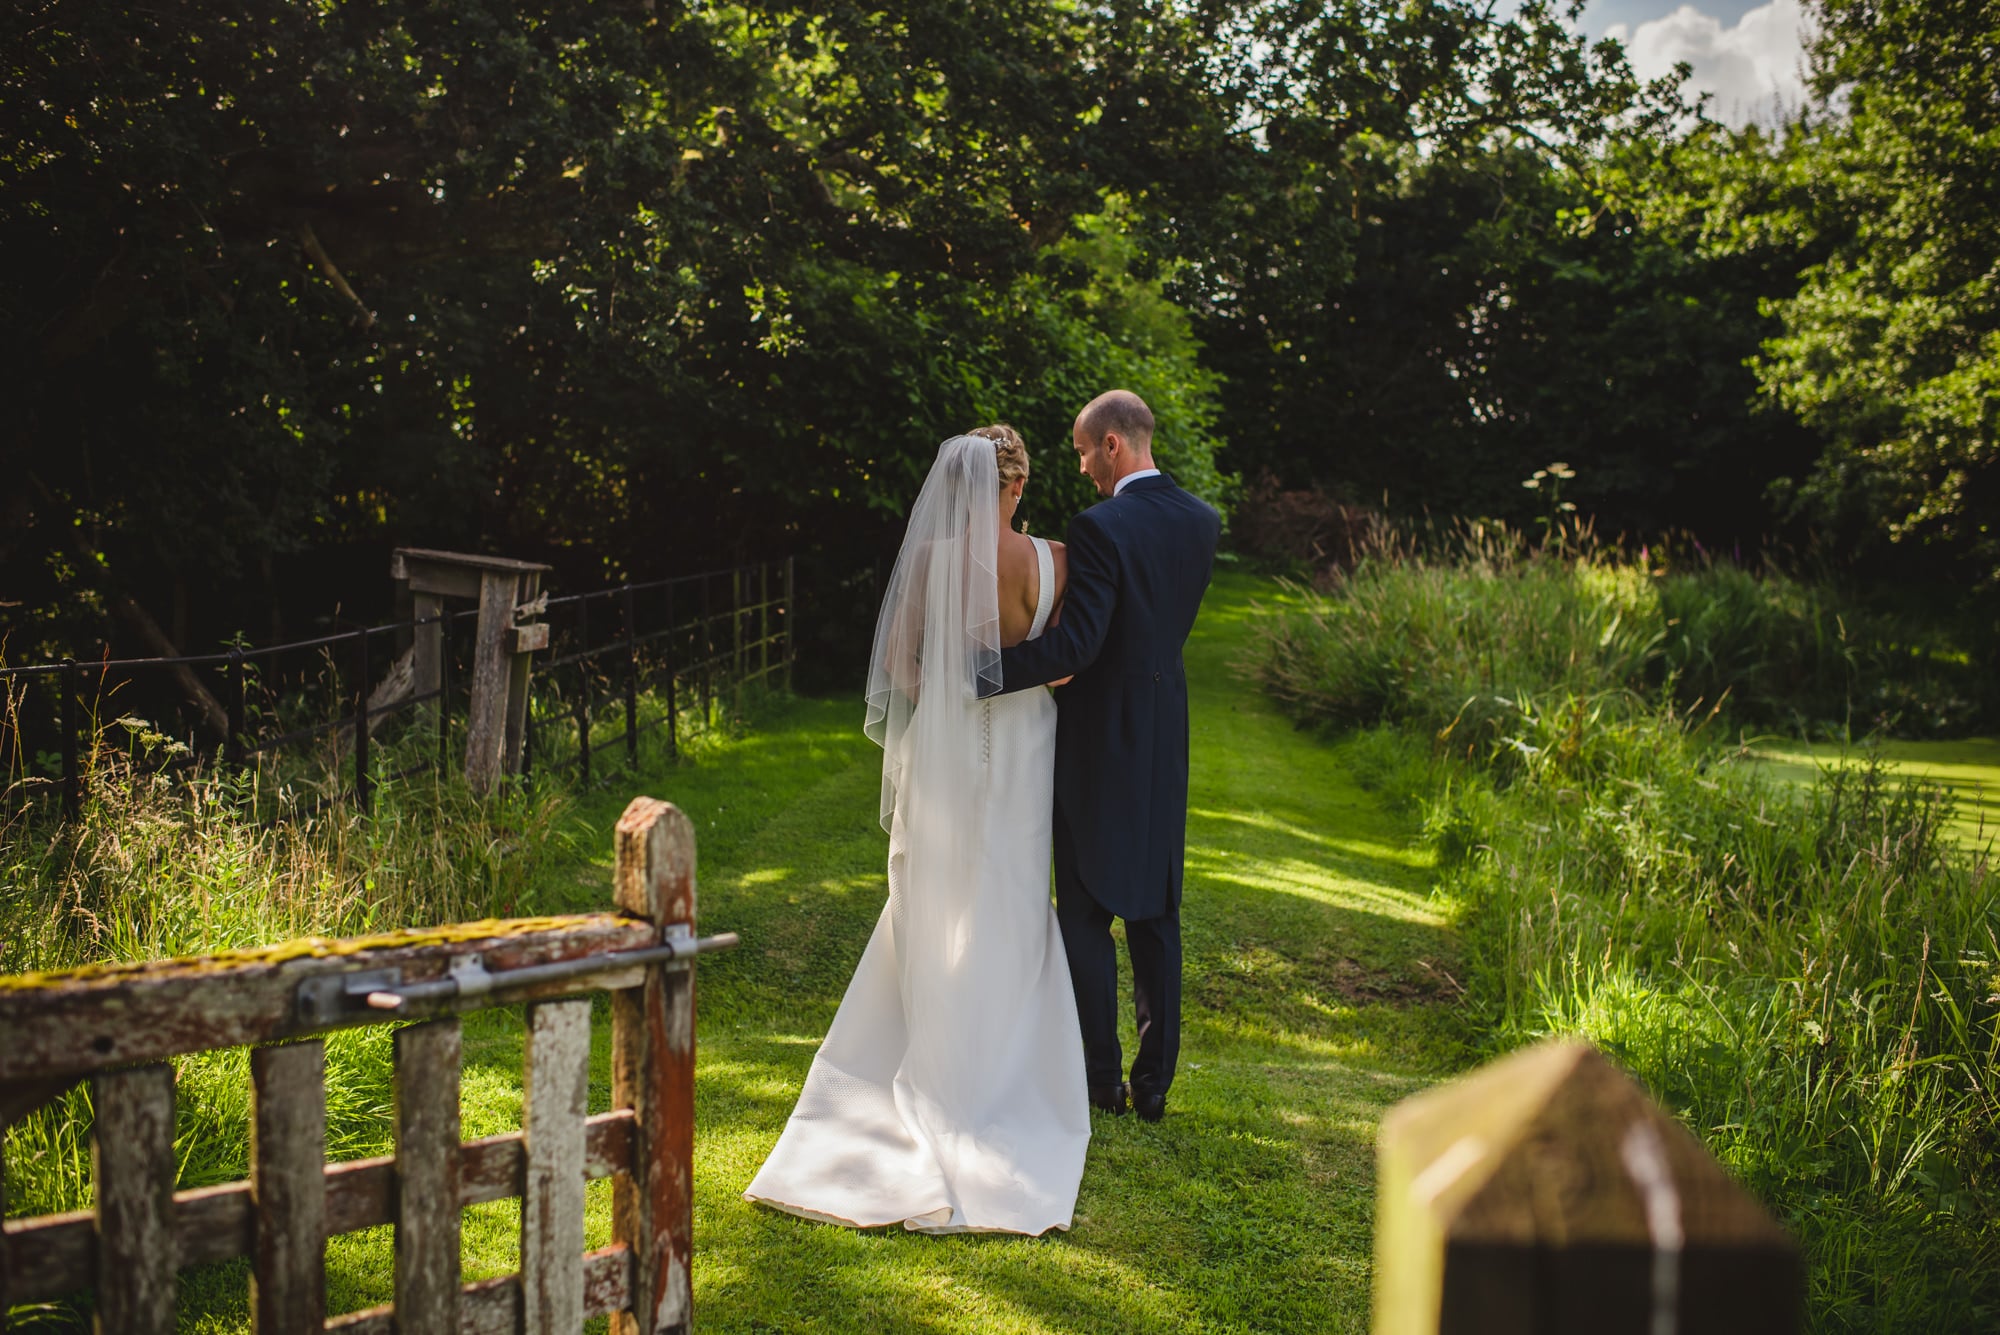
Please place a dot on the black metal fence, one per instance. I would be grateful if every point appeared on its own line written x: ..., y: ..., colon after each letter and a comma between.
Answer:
x: 714, y: 634
x: 656, y: 652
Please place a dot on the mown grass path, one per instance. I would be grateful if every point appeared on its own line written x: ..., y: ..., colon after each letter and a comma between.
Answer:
x: 1248, y: 1209
x: 1968, y: 769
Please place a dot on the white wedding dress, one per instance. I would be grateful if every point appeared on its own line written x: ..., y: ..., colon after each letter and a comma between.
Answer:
x: 949, y: 1093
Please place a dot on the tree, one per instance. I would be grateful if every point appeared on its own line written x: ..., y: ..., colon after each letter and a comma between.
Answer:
x: 1502, y: 314
x: 626, y: 286
x: 1441, y: 280
x: 1890, y: 346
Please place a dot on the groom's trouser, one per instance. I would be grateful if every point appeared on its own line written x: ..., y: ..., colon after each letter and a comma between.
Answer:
x: 1155, y: 947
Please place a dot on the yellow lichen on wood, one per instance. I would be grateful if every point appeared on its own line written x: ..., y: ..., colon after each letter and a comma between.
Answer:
x: 315, y: 947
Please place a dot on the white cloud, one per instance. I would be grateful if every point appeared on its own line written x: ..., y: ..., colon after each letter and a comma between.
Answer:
x: 1753, y: 68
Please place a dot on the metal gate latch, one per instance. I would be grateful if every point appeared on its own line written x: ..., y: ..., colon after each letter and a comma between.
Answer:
x: 331, y: 997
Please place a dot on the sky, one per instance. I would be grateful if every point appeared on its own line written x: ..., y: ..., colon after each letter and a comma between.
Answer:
x: 1748, y: 55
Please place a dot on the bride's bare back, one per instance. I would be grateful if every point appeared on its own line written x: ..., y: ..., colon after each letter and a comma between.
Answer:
x: 1020, y: 584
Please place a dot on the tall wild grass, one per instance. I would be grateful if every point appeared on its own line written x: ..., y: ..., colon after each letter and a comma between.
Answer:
x: 208, y: 859
x: 1476, y: 615
x: 1810, y: 979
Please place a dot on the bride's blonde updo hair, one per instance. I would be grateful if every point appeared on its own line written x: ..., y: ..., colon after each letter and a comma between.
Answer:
x: 1010, y: 450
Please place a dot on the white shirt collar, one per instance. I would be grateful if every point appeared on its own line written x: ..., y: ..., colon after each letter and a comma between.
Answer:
x: 1130, y: 478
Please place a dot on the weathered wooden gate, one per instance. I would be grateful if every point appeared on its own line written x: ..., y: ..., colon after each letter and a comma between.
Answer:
x: 118, y: 1025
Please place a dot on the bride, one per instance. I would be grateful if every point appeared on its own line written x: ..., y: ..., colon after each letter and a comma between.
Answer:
x: 949, y: 1093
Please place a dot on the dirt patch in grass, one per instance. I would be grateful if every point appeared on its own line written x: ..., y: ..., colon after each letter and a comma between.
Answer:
x: 1418, y: 982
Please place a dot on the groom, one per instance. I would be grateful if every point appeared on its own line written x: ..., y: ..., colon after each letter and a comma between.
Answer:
x: 1139, y: 563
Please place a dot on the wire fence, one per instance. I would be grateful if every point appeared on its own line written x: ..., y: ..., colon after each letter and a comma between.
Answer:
x: 635, y: 657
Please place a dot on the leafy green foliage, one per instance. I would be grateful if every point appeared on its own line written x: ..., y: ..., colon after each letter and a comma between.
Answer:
x: 624, y: 286
x: 1890, y: 347
x: 1501, y: 313
x: 617, y: 285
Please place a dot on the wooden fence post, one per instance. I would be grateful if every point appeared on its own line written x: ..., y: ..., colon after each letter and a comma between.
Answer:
x: 496, y: 717
x: 1546, y: 1192
x: 132, y: 1162
x: 486, y: 723
x: 288, y: 1188
x: 522, y: 641
x: 555, y: 1086
x: 652, y: 1053
x: 428, y: 1061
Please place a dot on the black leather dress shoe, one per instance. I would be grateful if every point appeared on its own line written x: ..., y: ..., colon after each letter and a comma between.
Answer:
x: 1108, y: 1098
x: 1150, y: 1107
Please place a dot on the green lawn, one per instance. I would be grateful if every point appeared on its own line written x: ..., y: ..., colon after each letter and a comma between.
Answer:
x: 1968, y: 769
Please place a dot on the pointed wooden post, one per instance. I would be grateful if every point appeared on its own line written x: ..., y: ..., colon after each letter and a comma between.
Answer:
x: 652, y: 1053
x: 1546, y: 1192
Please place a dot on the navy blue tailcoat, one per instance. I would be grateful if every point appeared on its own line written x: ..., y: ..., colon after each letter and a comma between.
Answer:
x: 1139, y: 564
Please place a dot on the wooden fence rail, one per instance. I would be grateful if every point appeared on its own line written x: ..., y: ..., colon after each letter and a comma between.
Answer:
x: 118, y: 1026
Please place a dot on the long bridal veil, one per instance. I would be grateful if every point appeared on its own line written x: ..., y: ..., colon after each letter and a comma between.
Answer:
x: 938, y: 634
x: 937, y: 642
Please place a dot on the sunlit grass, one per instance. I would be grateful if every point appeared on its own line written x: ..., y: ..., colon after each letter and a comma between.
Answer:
x: 1967, y: 769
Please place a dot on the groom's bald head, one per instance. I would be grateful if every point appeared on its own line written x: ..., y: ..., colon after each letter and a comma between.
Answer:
x: 1114, y: 437
x: 1119, y: 412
